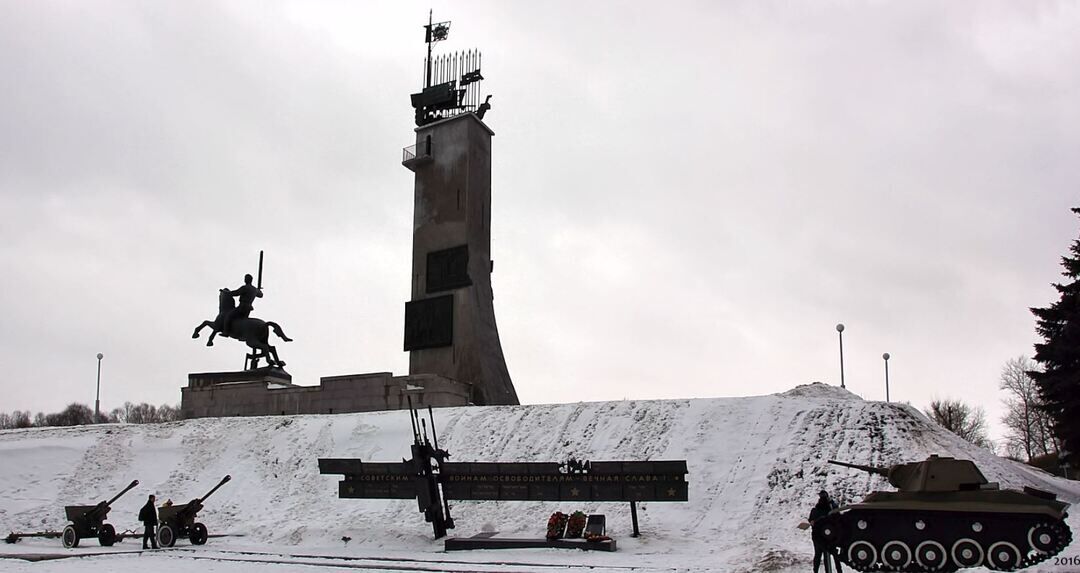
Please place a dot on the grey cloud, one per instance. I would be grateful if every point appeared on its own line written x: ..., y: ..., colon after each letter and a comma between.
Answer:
x: 687, y: 196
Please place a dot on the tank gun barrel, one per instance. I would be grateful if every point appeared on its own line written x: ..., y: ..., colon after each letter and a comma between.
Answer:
x: 871, y: 469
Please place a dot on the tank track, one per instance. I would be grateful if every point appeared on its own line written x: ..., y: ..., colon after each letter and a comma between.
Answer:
x: 943, y: 541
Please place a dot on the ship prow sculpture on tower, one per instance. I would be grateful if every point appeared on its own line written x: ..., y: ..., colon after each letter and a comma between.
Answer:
x: 451, y: 81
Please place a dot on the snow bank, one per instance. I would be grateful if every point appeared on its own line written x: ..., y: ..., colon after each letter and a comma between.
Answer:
x: 755, y: 466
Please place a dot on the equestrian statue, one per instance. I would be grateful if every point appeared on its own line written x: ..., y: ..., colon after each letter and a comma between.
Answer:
x: 234, y: 321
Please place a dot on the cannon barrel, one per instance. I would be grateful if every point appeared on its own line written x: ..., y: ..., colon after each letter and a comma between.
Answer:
x: 223, y: 481
x: 93, y: 513
x: 872, y: 469
x: 126, y: 489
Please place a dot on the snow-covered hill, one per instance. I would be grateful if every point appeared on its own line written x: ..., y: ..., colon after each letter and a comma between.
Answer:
x: 755, y: 465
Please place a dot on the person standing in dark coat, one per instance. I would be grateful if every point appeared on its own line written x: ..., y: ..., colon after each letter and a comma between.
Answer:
x: 821, y: 547
x: 148, y: 515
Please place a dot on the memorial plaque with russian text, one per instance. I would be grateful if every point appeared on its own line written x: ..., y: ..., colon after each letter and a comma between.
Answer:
x: 606, y: 468
x: 514, y: 491
x: 429, y: 323
x: 544, y: 491
x: 536, y: 481
x: 455, y: 490
x: 607, y: 491
x: 448, y: 269
x: 339, y: 466
x: 574, y: 491
x: 485, y: 491
x: 639, y: 491
x: 674, y: 491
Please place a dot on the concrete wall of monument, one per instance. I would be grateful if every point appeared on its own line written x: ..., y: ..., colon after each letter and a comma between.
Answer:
x: 224, y: 394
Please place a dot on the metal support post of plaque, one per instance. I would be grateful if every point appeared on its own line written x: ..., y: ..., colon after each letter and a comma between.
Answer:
x: 432, y: 480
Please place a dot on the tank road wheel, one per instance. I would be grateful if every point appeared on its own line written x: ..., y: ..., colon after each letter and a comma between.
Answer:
x: 107, y: 535
x: 967, y: 553
x: 862, y: 555
x: 931, y: 555
x: 198, y: 534
x: 896, y: 555
x: 831, y: 531
x: 70, y: 537
x: 1003, y: 556
x: 166, y: 536
x: 1044, y: 538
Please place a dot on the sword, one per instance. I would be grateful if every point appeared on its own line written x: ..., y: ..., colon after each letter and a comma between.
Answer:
x: 259, y: 284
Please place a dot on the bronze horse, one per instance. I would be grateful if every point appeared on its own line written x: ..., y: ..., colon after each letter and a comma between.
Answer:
x: 252, y: 331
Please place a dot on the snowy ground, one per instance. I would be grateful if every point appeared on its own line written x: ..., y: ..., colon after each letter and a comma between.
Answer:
x: 755, y: 466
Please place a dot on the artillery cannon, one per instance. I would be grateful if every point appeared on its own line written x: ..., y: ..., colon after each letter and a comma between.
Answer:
x: 179, y: 520
x: 89, y: 521
x: 946, y: 516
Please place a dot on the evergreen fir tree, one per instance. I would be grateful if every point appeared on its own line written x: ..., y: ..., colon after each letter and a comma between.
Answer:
x: 1059, y: 354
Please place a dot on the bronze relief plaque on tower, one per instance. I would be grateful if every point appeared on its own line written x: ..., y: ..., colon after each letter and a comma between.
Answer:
x: 448, y: 269
x: 429, y: 323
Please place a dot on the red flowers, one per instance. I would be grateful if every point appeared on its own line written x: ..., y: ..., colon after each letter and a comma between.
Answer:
x: 557, y: 525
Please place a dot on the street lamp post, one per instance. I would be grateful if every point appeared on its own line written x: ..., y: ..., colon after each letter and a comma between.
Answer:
x: 886, y: 358
x: 840, y: 331
x: 97, y: 395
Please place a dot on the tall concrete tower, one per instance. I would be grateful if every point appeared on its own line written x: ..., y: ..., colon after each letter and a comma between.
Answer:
x: 450, y: 320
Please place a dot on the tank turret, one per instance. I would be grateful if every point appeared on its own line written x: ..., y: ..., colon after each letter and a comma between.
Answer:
x: 945, y: 516
x: 935, y: 473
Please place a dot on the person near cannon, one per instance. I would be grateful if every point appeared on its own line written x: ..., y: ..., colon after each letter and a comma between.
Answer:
x: 821, y: 546
x: 148, y: 516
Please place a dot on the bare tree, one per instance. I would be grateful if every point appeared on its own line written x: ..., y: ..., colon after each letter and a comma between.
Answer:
x: 142, y: 413
x: 962, y: 419
x: 167, y: 413
x: 123, y: 413
x: 15, y: 419
x: 79, y: 414
x: 1029, y: 433
x: 74, y: 415
x: 21, y: 419
x: 146, y: 413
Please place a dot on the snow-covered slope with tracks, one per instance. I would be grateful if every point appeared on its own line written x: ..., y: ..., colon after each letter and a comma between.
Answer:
x: 755, y: 465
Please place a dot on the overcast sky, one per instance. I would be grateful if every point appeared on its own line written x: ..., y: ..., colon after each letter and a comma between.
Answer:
x: 687, y: 197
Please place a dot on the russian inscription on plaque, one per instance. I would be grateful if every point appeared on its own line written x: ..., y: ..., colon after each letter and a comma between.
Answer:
x: 432, y: 480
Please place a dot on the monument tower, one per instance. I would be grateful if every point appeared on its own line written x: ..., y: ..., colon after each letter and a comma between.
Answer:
x: 450, y: 326
x: 455, y: 357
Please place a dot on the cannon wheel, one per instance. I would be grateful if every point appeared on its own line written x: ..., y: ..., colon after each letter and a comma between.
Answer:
x: 70, y: 537
x: 107, y: 535
x: 198, y: 534
x: 166, y: 536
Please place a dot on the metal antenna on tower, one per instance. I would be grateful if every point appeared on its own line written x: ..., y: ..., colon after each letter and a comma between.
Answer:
x: 451, y: 81
x: 433, y: 33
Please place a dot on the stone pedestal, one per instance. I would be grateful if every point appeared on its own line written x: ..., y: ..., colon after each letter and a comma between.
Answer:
x: 267, y: 375
x: 268, y: 392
